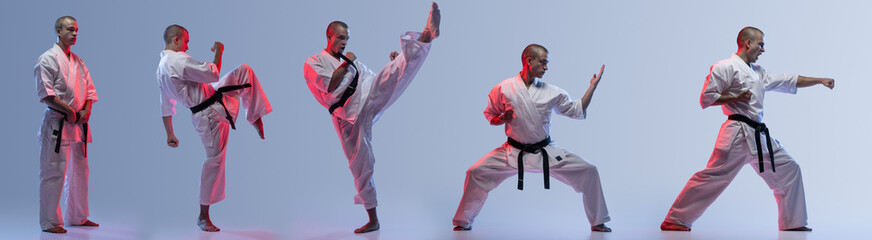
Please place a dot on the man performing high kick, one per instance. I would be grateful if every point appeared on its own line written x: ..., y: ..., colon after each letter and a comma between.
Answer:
x: 356, y: 97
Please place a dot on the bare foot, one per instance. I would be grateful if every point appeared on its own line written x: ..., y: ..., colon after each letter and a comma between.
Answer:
x: 206, y: 225
x: 600, y: 228
x: 55, y: 230
x: 369, y: 227
x: 799, y: 229
x: 88, y: 223
x: 459, y: 228
x: 431, y: 31
x: 666, y: 226
x: 258, y: 125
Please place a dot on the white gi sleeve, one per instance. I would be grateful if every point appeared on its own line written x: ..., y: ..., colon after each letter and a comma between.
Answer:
x: 715, y: 83
x: 496, y: 106
x: 196, y: 71
x: 319, y: 76
x: 44, y: 73
x: 785, y: 83
x: 566, y: 107
x: 91, y: 90
x: 167, y: 104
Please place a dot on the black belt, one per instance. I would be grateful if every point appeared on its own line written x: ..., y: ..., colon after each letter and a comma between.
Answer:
x: 219, y: 97
x: 758, y: 127
x: 531, y: 148
x: 351, y: 87
x: 60, y: 132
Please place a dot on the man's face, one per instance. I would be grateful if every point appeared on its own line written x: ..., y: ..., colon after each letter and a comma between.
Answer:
x: 538, y: 62
x: 68, y: 32
x: 182, y: 42
x: 755, y: 48
x: 337, y: 41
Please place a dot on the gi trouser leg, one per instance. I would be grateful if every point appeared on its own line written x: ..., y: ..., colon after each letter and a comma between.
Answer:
x: 394, y: 78
x: 253, y: 98
x: 213, y: 133
x: 387, y: 86
x: 730, y: 154
x: 481, y: 178
x: 53, y: 176
x: 493, y: 168
x: 76, y: 186
x: 786, y: 185
x: 584, y: 178
x: 356, y: 143
x: 52, y: 171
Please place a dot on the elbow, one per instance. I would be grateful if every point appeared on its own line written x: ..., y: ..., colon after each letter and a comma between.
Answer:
x: 494, y: 120
x: 707, y: 100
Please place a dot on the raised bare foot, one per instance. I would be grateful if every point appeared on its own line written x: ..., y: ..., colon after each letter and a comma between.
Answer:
x: 369, y: 227
x: 206, y: 225
x: 258, y: 125
x: 799, y: 229
x: 431, y: 31
x: 459, y: 228
x: 667, y: 226
x: 600, y: 228
x: 55, y: 230
x: 88, y: 223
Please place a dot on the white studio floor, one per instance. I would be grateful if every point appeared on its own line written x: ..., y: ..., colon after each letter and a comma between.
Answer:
x: 407, y: 225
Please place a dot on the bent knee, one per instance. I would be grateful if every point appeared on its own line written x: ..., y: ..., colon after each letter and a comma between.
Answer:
x: 476, y: 170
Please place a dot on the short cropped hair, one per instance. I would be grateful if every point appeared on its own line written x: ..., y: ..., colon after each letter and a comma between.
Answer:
x: 747, y: 33
x: 60, y: 21
x: 530, y: 49
x: 333, y: 25
x: 173, y: 31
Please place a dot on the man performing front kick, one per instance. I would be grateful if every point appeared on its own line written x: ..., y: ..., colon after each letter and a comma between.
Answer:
x: 356, y: 97
x: 63, y: 82
x: 739, y: 86
x: 214, y: 105
x: 524, y: 104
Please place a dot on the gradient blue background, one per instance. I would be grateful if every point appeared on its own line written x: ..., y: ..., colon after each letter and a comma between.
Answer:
x: 645, y: 129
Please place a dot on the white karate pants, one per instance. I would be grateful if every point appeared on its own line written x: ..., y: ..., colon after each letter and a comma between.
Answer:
x: 356, y: 138
x: 213, y: 128
x: 731, y: 153
x: 63, y: 172
x: 493, y: 168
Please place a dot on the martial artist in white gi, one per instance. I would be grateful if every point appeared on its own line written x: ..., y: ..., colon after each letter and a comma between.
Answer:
x: 524, y: 104
x: 356, y: 96
x: 191, y: 82
x: 64, y: 84
x: 739, y: 86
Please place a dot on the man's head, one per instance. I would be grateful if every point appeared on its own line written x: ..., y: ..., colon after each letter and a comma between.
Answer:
x: 750, y: 41
x: 67, y: 29
x: 535, y: 60
x: 337, y: 37
x: 176, y: 38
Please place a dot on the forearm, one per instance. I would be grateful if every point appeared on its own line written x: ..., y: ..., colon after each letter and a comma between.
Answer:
x: 724, y: 99
x: 56, y: 104
x: 337, y: 76
x: 217, y: 59
x: 803, y: 81
x: 168, y: 125
x: 87, y: 107
x: 497, y: 120
x: 585, y: 101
